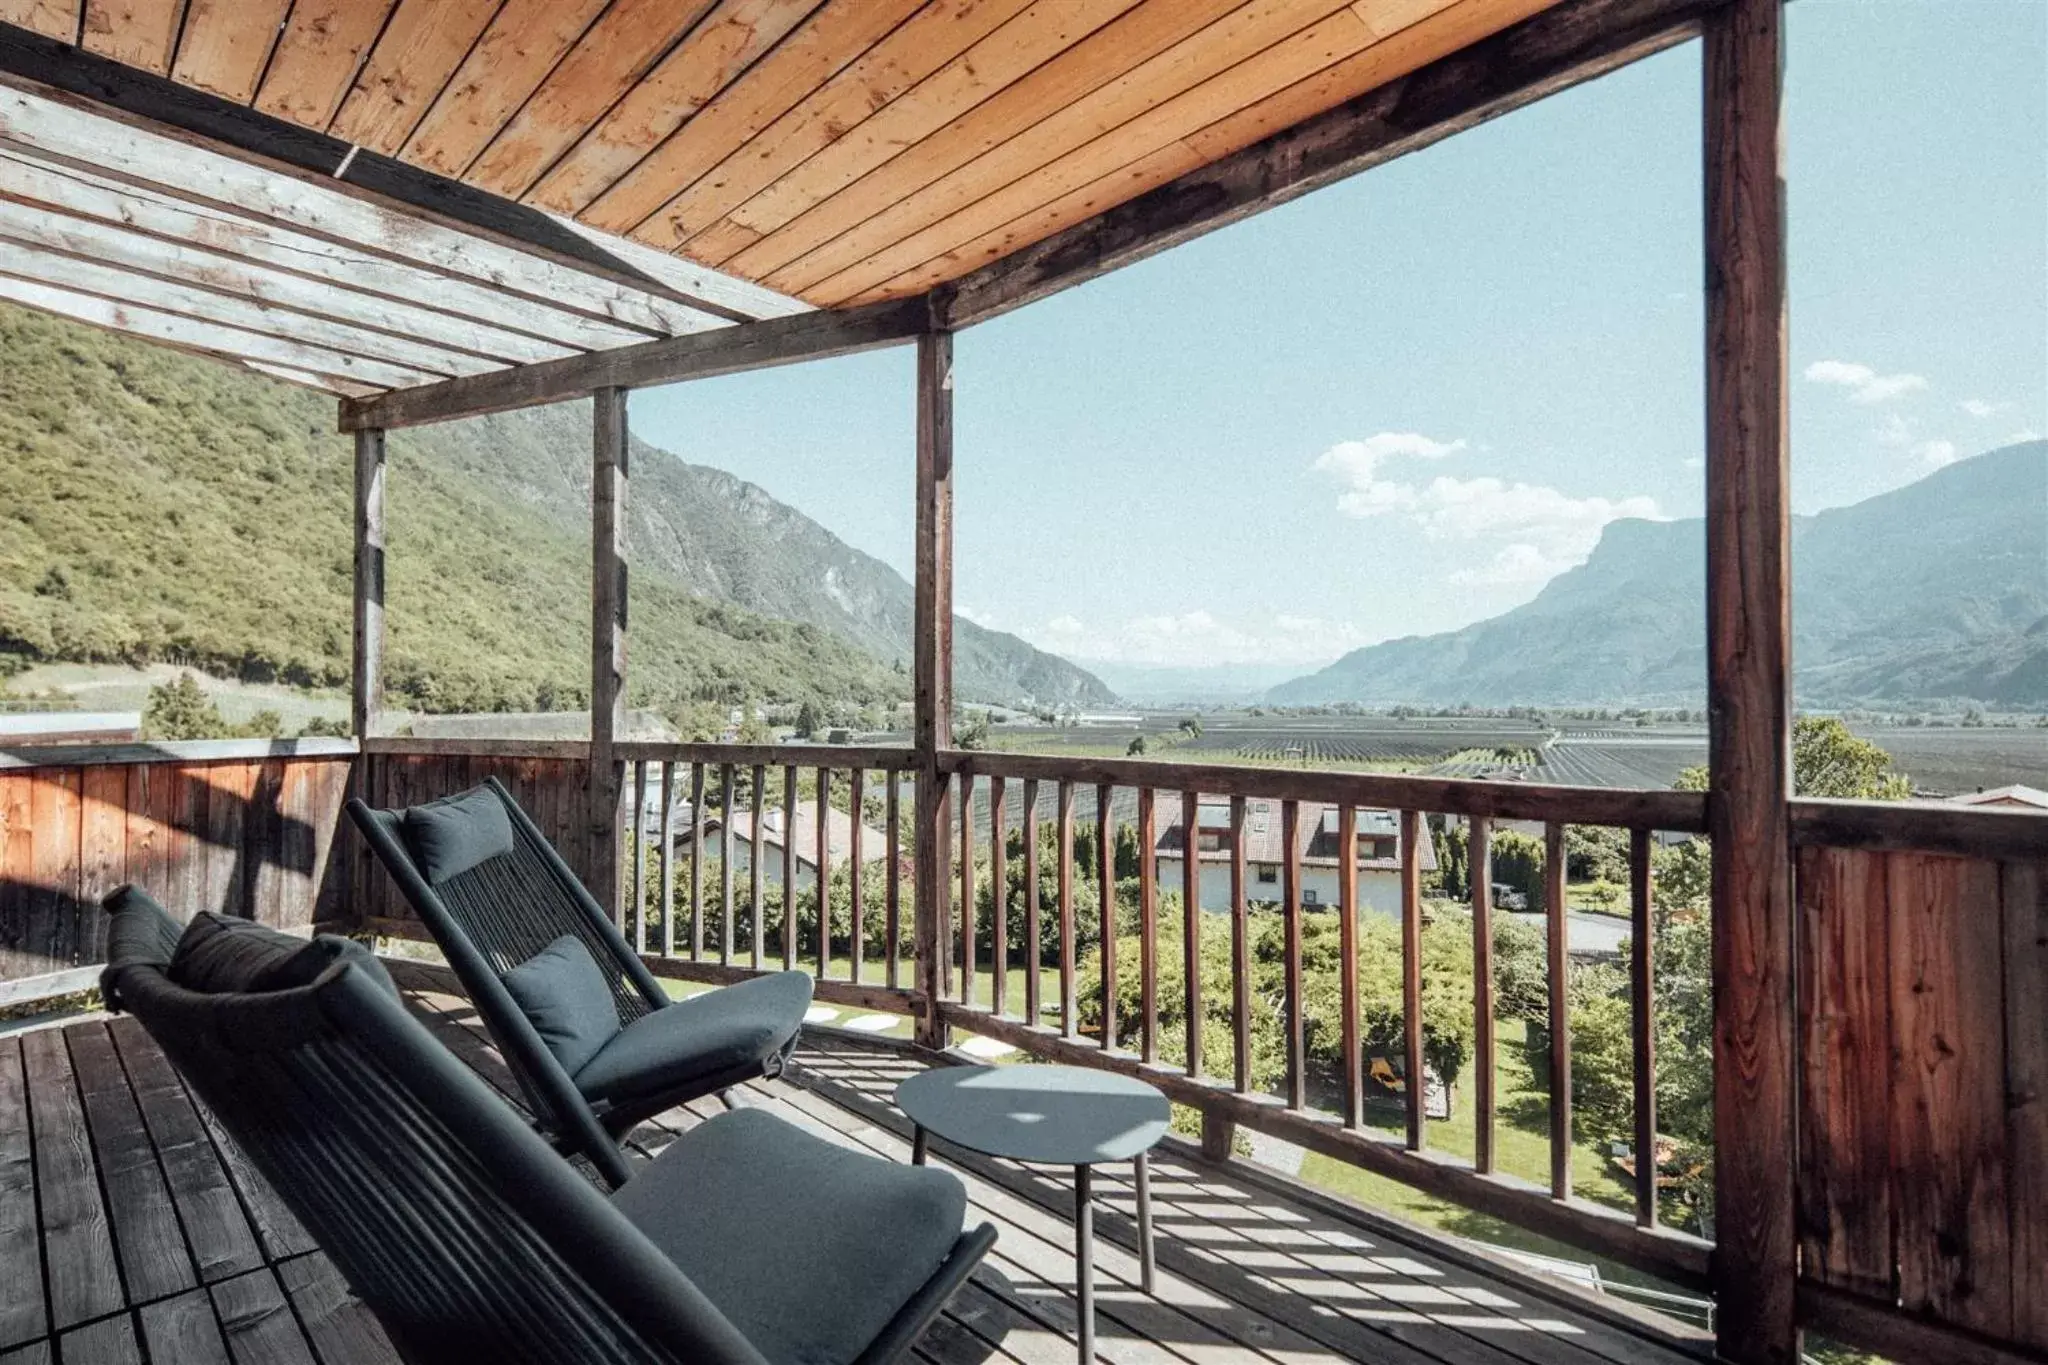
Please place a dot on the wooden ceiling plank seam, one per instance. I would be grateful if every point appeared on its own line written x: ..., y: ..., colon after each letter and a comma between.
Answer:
x: 318, y: 56
x: 323, y: 207
x: 1203, y: 72
x: 1564, y: 45
x: 1135, y: 38
x: 174, y: 264
x: 920, y: 46
x: 590, y: 81
x: 87, y: 276
x: 507, y: 334
x: 832, y: 36
x: 524, y: 44
x: 1045, y: 30
x: 730, y: 41
x: 226, y: 45
x: 138, y: 33
x: 58, y: 19
x: 422, y: 46
x: 157, y: 325
x: 1437, y: 35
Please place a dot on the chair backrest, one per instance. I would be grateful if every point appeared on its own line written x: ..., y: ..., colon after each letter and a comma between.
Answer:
x: 497, y: 914
x: 447, y: 1215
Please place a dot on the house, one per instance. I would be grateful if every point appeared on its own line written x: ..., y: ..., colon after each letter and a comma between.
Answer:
x: 1376, y: 856
x: 2015, y: 797
x: 802, y: 828
x: 70, y: 727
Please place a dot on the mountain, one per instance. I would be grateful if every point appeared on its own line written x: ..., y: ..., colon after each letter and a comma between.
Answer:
x: 166, y: 508
x: 1937, y: 591
x: 1190, y: 685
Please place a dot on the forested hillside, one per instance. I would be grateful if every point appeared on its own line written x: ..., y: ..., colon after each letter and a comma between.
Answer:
x: 165, y: 508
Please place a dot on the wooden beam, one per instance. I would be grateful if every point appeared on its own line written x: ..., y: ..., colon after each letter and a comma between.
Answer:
x: 141, y: 97
x: 1748, y: 686
x: 366, y: 684
x: 1561, y: 47
x: 932, y: 672
x: 728, y: 350
x: 608, y: 605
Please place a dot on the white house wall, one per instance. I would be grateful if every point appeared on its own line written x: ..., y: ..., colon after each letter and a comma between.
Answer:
x: 1378, y: 890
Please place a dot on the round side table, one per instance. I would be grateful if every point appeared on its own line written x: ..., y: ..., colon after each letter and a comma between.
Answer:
x: 1053, y: 1116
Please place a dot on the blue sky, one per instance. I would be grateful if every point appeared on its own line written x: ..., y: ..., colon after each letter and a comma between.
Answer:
x: 1405, y: 402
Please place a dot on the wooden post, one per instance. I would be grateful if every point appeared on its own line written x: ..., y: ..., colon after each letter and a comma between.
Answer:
x: 366, y: 688
x: 1748, y: 685
x: 608, y: 475
x: 932, y: 671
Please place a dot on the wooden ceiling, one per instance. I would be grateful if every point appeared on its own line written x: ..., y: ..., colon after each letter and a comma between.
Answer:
x: 842, y: 152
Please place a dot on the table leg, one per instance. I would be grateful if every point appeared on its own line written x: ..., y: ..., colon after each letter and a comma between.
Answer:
x: 1084, y: 1258
x: 1145, y: 1261
x: 919, y: 1142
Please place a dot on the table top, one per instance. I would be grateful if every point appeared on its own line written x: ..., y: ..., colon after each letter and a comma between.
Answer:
x: 1059, y: 1115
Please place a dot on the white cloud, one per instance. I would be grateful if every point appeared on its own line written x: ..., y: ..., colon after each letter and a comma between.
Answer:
x: 1895, y: 431
x: 1978, y: 407
x: 1936, y: 453
x: 2023, y: 434
x: 1546, y: 530
x: 1864, y: 384
x: 986, y: 620
x: 1197, y: 637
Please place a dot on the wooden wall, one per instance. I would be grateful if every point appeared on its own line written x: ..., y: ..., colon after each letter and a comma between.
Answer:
x: 554, y: 791
x: 1923, y: 989
x: 252, y: 834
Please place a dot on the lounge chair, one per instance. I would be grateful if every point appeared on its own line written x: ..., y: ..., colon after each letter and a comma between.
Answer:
x: 524, y: 936
x: 747, y: 1241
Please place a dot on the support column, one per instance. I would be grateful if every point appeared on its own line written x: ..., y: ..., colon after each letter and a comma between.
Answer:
x: 932, y: 677
x: 366, y: 682
x: 608, y: 475
x: 1748, y: 685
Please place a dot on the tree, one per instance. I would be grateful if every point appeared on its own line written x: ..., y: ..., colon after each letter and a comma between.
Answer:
x: 1191, y: 726
x: 808, y: 722
x: 1136, y: 748
x: 973, y: 731
x: 1830, y: 760
x: 181, y: 710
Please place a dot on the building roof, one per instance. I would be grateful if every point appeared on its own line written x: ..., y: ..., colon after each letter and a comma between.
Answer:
x: 838, y: 833
x: 2017, y: 794
x: 1264, y: 831
x: 62, y: 726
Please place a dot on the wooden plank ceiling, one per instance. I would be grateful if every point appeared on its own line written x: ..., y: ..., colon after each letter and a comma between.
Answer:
x: 843, y: 151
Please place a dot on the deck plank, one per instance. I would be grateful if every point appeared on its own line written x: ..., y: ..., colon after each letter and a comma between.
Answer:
x: 258, y: 1322
x: 184, y: 1329
x: 154, y: 1262
x: 341, y: 1327
x: 78, y: 1250
x: 21, y: 1262
x: 109, y: 1341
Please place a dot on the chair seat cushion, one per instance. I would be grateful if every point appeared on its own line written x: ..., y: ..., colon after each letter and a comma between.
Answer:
x: 733, y: 1028
x: 223, y: 955
x: 450, y: 836
x: 563, y: 994
x: 808, y: 1248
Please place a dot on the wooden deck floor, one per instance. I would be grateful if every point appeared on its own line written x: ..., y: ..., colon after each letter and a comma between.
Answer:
x: 131, y: 1231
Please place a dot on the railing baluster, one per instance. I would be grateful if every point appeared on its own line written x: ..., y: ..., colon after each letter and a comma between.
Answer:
x: 1240, y: 942
x: 892, y: 877
x: 824, y: 873
x: 856, y: 866
x: 668, y: 861
x: 1068, y: 1022
x: 790, y: 780
x: 640, y: 856
x: 1148, y: 932
x: 696, y: 862
x: 1347, y: 963
x: 1034, y: 950
x: 1105, y: 902
x: 1416, y: 1082
x: 1479, y: 867
x: 1290, y: 912
x: 1642, y: 1003
x: 725, y: 846
x: 755, y: 872
x: 1558, y: 974
x: 967, y: 915
x: 1191, y: 925
x: 999, y: 895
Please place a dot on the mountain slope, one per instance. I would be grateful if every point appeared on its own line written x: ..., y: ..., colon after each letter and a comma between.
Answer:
x: 1934, y: 591
x: 165, y: 508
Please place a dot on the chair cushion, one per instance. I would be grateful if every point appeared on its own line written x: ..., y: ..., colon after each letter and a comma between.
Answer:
x: 452, y: 835
x: 224, y: 955
x: 562, y: 992
x: 729, y: 1029
x: 807, y: 1247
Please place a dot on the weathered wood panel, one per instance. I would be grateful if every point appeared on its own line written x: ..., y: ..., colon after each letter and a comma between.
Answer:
x: 247, y: 836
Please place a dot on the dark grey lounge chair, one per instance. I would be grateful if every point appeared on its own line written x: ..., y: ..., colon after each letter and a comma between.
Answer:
x: 746, y: 1241
x: 499, y: 901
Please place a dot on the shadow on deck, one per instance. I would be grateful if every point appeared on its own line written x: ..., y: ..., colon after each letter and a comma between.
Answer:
x: 131, y: 1230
